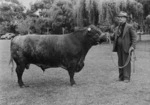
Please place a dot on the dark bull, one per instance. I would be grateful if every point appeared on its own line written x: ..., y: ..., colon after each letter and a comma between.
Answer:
x: 47, y: 51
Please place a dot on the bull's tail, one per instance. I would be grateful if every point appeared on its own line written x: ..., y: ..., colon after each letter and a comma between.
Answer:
x: 11, y: 63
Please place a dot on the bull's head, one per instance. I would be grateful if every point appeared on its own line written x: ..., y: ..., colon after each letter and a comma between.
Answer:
x: 96, y: 35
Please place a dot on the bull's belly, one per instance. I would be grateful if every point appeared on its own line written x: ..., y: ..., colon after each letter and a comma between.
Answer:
x: 45, y: 62
x: 46, y: 66
x: 53, y: 62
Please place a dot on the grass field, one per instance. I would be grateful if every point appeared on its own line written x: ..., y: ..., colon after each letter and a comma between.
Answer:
x: 96, y: 83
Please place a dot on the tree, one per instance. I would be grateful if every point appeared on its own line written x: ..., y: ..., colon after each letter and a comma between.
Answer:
x: 147, y: 24
x: 10, y: 12
x: 146, y: 7
x: 57, y: 14
x: 62, y: 16
x: 104, y: 11
x: 23, y: 26
x: 52, y: 16
x: 4, y: 27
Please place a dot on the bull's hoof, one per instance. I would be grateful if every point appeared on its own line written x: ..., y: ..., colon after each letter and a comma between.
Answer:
x: 72, y: 83
x: 23, y: 86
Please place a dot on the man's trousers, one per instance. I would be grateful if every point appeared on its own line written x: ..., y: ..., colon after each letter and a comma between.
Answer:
x: 124, y: 73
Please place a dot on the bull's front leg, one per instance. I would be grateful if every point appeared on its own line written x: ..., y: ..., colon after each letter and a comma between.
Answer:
x: 71, y: 74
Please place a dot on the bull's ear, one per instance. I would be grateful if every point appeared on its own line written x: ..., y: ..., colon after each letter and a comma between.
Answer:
x: 89, y: 29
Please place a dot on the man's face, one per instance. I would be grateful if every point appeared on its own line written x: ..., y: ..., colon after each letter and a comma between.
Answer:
x: 122, y: 19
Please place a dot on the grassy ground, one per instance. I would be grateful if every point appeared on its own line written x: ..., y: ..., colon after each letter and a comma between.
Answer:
x: 96, y: 83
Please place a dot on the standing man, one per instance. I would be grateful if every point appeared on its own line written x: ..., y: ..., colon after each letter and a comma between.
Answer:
x: 124, y: 43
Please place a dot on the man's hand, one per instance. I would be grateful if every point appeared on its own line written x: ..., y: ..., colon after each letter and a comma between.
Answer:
x: 131, y: 49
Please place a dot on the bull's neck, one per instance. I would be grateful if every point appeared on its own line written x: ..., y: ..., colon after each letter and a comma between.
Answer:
x: 84, y: 41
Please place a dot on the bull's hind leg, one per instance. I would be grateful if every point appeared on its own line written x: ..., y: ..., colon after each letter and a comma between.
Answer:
x: 19, y: 71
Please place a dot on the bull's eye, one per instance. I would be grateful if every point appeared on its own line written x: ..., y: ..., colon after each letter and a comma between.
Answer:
x: 97, y: 34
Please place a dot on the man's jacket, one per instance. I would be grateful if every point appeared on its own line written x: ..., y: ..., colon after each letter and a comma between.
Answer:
x: 128, y: 38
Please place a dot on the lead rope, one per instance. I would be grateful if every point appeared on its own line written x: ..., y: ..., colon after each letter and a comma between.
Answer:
x: 128, y: 59
x: 133, y: 60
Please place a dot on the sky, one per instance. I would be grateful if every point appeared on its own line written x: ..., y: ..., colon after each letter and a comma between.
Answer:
x: 26, y: 3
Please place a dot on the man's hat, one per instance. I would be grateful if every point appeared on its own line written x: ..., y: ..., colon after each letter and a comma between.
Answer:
x: 123, y: 14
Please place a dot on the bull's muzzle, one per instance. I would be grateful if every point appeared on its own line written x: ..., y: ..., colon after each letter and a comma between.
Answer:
x: 103, y: 38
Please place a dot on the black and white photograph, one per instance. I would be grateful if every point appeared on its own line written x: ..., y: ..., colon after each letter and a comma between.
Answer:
x: 74, y: 52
